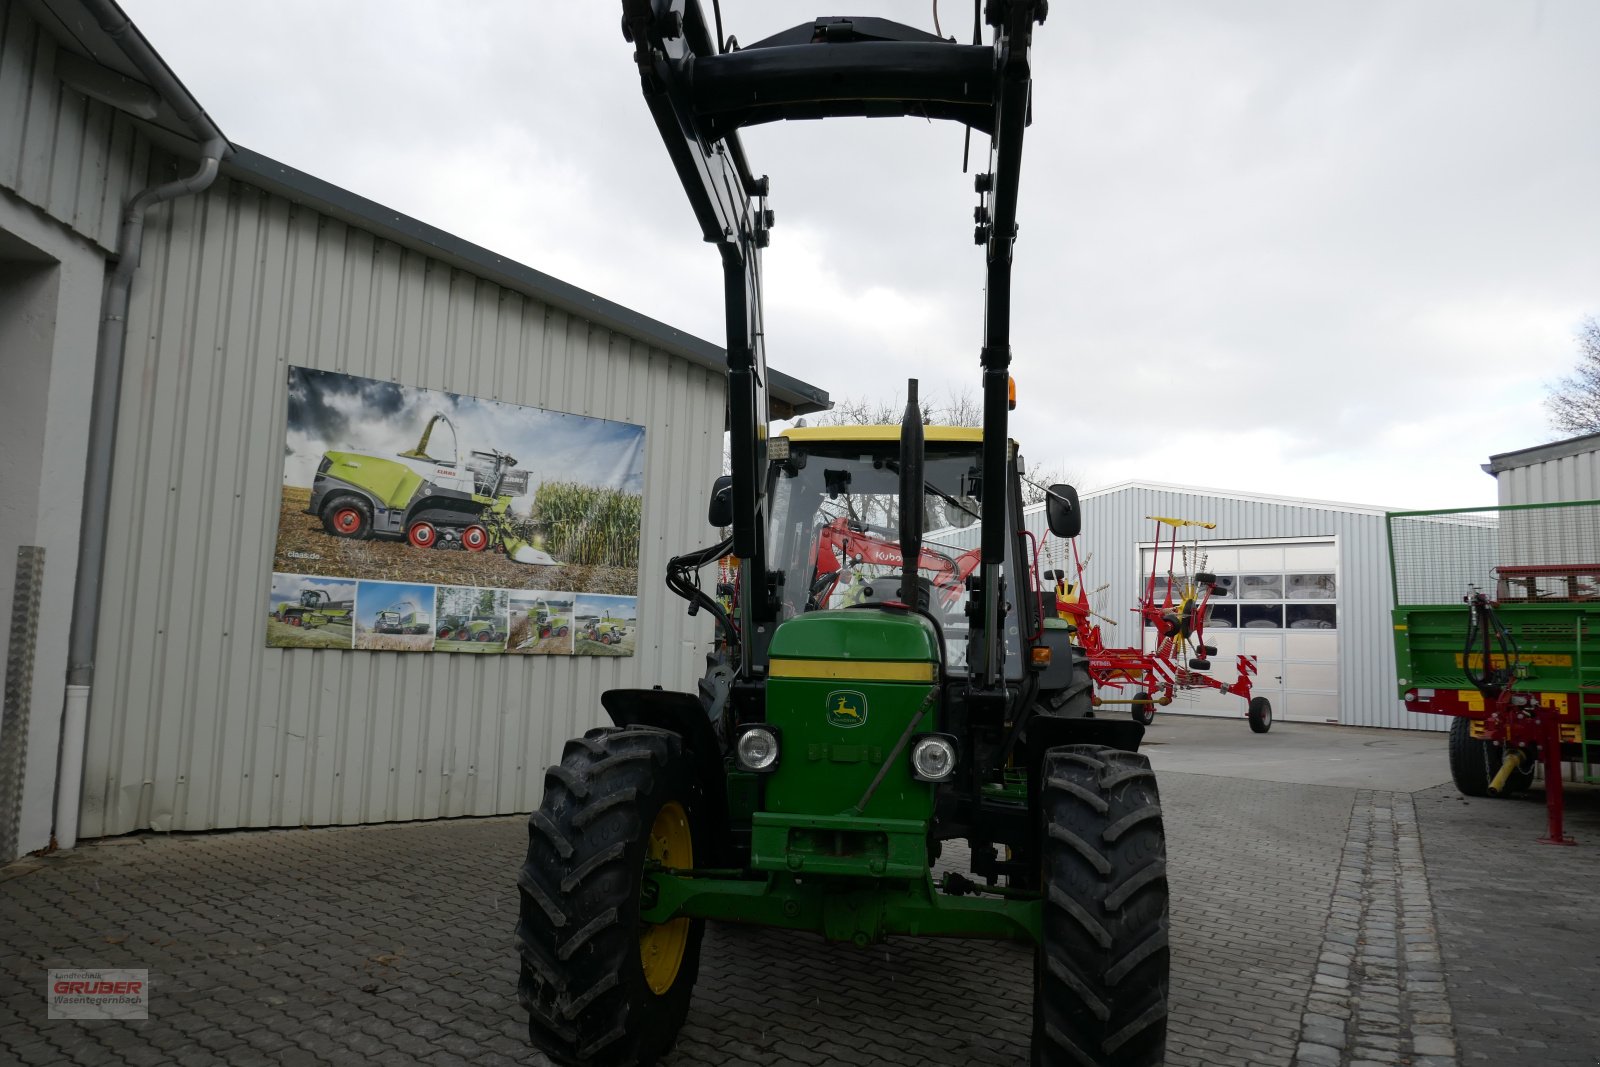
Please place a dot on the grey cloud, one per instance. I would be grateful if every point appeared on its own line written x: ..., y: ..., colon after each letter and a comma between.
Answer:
x: 1339, y: 247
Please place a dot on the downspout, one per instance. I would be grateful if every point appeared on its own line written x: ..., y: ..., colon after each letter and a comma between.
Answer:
x: 104, y: 402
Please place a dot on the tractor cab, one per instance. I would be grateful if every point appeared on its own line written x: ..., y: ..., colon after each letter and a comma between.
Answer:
x: 834, y: 533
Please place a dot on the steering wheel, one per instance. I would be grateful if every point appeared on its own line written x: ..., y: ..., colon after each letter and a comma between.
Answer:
x: 820, y: 584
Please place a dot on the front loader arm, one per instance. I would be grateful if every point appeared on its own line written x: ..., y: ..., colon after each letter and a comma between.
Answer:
x: 701, y: 96
x: 670, y: 37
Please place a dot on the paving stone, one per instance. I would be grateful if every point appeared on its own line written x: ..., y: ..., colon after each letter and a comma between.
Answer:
x: 389, y: 945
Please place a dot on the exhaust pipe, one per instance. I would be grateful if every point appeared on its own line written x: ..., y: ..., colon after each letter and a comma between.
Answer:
x: 911, y: 482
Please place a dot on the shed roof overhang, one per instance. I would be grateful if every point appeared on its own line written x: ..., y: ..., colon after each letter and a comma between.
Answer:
x: 1527, y: 457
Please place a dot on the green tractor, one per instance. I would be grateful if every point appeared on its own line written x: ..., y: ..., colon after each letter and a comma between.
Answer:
x: 392, y: 620
x: 546, y: 623
x: 484, y: 628
x: 830, y: 751
x: 428, y: 501
x: 315, y: 608
x: 605, y: 631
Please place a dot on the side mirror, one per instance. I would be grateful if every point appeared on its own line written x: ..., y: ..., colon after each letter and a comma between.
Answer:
x: 720, y: 513
x: 1061, y: 511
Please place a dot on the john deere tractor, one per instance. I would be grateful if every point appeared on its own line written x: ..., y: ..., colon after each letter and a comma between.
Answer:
x: 427, y: 500
x: 830, y: 751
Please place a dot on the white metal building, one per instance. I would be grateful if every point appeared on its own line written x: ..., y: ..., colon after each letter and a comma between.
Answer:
x: 1544, y: 474
x: 176, y: 716
x: 1310, y: 595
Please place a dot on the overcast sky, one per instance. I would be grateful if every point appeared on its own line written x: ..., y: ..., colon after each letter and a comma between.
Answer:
x: 1334, y: 249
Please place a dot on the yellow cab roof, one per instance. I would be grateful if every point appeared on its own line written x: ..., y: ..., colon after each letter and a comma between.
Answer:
x: 960, y: 434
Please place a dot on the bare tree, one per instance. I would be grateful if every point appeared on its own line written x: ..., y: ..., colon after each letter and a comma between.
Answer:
x: 958, y: 409
x: 1574, y: 401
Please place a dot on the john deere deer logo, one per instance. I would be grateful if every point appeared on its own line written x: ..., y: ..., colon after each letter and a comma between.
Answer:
x: 846, y: 708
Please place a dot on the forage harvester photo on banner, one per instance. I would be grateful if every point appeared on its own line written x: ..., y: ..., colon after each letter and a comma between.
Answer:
x: 384, y: 482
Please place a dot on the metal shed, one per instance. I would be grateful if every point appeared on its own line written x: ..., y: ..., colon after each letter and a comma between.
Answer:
x: 1543, y: 474
x: 1311, y: 595
x: 191, y: 722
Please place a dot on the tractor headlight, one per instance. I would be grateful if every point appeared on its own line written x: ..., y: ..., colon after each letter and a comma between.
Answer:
x: 933, y: 758
x: 757, y: 748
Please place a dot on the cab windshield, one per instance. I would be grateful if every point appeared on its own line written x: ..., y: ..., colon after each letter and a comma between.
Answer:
x: 835, y: 536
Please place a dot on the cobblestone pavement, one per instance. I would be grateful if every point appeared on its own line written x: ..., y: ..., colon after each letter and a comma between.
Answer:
x: 1379, y: 995
x: 1519, y: 923
x: 392, y: 945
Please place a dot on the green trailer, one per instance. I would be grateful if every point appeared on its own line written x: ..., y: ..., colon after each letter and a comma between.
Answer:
x: 1497, y: 624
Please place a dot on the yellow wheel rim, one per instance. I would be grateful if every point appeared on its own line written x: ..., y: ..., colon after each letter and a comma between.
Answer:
x: 661, y: 947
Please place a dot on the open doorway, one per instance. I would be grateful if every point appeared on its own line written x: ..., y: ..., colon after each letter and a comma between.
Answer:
x: 29, y: 283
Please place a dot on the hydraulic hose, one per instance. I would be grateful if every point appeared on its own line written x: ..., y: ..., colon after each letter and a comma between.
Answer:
x: 683, y: 578
x: 1484, y: 626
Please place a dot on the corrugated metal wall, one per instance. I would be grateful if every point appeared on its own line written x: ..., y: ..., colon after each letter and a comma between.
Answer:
x: 194, y: 723
x: 1114, y: 525
x: 74, y: 158
x: 1568, y: 478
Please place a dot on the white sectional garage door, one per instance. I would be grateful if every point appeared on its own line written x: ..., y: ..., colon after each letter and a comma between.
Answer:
x: 1281, y: 606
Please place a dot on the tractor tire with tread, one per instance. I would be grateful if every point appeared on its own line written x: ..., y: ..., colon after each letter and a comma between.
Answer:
x: 1102, y: 965
x: 348, y: 516
x: 583, y: 980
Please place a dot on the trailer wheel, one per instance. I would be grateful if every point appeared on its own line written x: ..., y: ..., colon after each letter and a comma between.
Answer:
x: 562, y: 632
x: 485, y: 635
x: 348, y: 516
x: 1144, y: 710
x: 475, y: 538
x: 600, y: 987
x: 1260, y: 715
x: 1101, y: 968
x: 1474, y: 763
x: 422, y: 535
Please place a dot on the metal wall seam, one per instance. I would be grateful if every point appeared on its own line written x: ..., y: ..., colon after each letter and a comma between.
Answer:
x: 204, y: 727
x: 74, y: 158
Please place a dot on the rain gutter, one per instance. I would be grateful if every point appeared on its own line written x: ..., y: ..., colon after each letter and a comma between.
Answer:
x: 106, y: 395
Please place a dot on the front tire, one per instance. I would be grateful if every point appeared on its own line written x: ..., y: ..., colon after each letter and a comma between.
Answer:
x: 1101, y: 968
x: 348, y: 516
x: 599, y: 986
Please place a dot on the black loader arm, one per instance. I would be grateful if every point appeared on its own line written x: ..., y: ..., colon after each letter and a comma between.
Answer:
x: 702, y: 91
